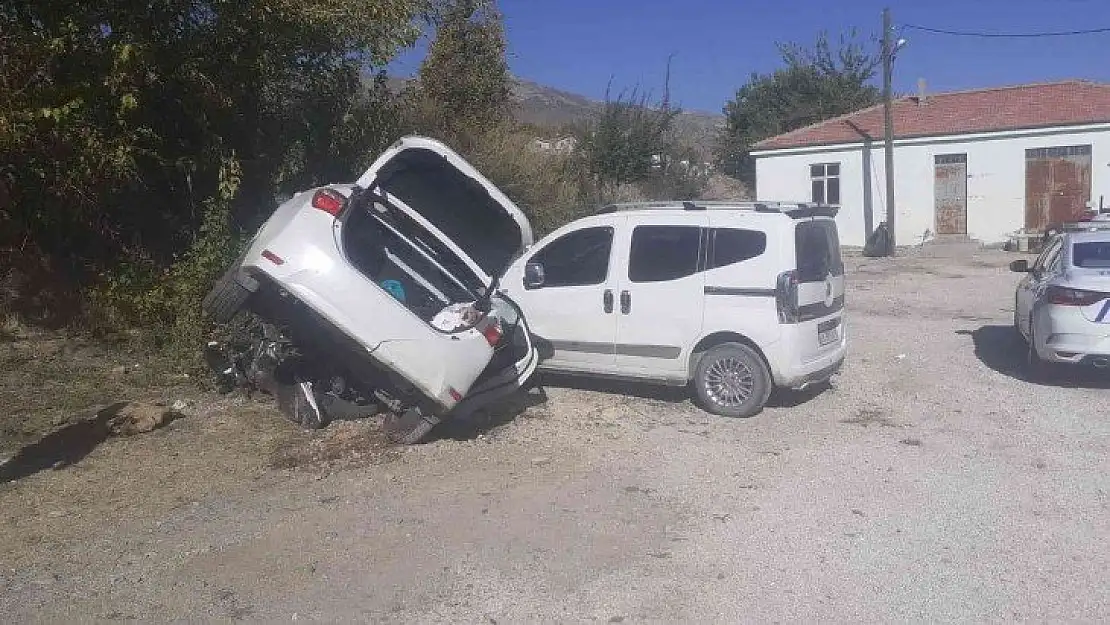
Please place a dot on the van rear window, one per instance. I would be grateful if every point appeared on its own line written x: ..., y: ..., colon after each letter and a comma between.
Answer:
x: 817, y: 250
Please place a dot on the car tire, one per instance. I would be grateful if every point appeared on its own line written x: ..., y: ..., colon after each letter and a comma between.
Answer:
x: 226, y: 298
x: 294, y: 403
x: 732, y: 380
x: 1036, y: 367
x: 410, y: 428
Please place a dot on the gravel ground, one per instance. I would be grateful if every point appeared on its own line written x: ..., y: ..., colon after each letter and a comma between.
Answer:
x: 931, y: 482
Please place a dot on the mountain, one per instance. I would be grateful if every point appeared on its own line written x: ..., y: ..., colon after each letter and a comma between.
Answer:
x: 548, y: 107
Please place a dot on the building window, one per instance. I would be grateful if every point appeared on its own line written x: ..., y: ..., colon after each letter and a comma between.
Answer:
x: 1059, y: 152
x: 825, y: 182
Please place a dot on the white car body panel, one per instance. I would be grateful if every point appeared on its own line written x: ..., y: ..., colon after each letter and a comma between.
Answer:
x: 657, y: 335
x: 309, y: 242
x: 571, y: 318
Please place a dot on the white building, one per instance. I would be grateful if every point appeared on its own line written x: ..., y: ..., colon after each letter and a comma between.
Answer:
x: 561, y: 145
x: 981, y: 163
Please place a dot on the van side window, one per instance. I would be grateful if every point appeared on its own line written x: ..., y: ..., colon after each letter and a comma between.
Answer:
x: 661, y: 253
x: 733, y: 245
x: 578, y: 258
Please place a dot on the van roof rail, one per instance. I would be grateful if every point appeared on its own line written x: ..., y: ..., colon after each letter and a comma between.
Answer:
x: 794, y: 210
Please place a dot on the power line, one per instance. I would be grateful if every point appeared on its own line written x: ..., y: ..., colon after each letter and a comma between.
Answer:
x: 966, y: 33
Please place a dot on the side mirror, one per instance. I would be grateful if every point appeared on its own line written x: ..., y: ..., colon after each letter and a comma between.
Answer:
x: 1020, y: 266
x: 533, y: 276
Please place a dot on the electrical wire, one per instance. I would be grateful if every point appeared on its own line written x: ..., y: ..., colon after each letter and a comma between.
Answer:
x: 967, y: 33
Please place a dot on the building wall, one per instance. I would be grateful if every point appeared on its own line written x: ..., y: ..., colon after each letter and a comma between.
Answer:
x: 995, y: 185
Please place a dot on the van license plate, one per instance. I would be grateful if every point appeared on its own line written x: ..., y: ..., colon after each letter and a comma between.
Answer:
x: 828, y: 336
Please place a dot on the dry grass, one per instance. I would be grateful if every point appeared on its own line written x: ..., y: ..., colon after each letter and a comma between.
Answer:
x: 50, y: 379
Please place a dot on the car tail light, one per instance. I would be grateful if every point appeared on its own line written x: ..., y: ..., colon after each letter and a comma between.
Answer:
x: 1073, y: 297
x: 492, y: 332
x: 786, y: 297
x: 455, y: 395
x: 330, y: 201
x: 272, y: 257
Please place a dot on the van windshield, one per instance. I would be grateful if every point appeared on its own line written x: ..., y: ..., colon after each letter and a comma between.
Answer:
x: 817, y: 250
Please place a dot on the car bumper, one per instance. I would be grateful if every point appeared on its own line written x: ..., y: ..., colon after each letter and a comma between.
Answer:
x: 1063, y: 335
x: 504, y: 384
x: 812, y: 372
x: 794, y: 372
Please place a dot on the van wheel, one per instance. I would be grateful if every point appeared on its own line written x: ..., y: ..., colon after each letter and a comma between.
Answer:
x: 732, y: 380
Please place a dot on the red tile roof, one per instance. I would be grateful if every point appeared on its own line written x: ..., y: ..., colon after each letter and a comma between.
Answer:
x: 1065, y: 103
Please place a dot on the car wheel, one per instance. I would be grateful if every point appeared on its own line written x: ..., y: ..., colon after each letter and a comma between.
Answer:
x: 410, y: 427
x: 293, y: 401
x: 226, y: 298
x: 732, y: 380
x: 1035, y: 365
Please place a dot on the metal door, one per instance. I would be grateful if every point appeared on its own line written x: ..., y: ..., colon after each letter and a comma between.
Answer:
x: 1057, y: 185
x: 950, y: 193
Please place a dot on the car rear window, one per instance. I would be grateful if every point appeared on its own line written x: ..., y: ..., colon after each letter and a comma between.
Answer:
x: 817, y: 250
x: 1091, y: 255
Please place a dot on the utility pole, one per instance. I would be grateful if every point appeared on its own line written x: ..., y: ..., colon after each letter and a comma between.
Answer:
x: 888, y: 122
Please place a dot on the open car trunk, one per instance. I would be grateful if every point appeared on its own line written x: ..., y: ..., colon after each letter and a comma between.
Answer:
x: 453, y: 202
x: 391, y: 249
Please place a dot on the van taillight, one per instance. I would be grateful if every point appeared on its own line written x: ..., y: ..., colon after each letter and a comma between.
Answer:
x: 330, y: 201
x: 786, y: 297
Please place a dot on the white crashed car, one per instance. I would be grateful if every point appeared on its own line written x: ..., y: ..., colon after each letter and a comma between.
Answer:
x: 381, y: 294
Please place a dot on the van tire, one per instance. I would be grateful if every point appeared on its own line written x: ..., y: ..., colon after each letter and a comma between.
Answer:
x: 732, y: 359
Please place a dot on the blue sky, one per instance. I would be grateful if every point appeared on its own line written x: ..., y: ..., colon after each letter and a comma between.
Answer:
x: 578, y: 45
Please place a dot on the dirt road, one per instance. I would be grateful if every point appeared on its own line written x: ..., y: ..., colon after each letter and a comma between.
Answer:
x: 932, y: 482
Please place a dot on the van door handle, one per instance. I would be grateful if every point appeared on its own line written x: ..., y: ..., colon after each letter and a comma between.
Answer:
x: 626, y: 302
x: 607, y: 300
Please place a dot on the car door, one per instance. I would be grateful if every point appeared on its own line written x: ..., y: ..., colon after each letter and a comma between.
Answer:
x: 1032, y: 284
x: 571, y: 313
x: 662, y: 294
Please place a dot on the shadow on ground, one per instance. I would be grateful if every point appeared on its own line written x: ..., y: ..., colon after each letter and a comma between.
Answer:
x: 62, y: 447
x: 1003, y: 350
x: 780, y: 398
x: 489, y: 418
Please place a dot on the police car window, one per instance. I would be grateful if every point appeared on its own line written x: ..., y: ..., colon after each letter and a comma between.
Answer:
x: 661, y: 253
x: 1091, y: 255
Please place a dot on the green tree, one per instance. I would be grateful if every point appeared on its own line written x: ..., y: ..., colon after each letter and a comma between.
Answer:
x: 630, y: 141
x: 815, y: 84
x: 121, y: 120
x: 463, y: 91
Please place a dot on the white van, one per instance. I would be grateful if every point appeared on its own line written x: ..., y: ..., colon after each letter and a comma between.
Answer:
x: 737, y: 297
